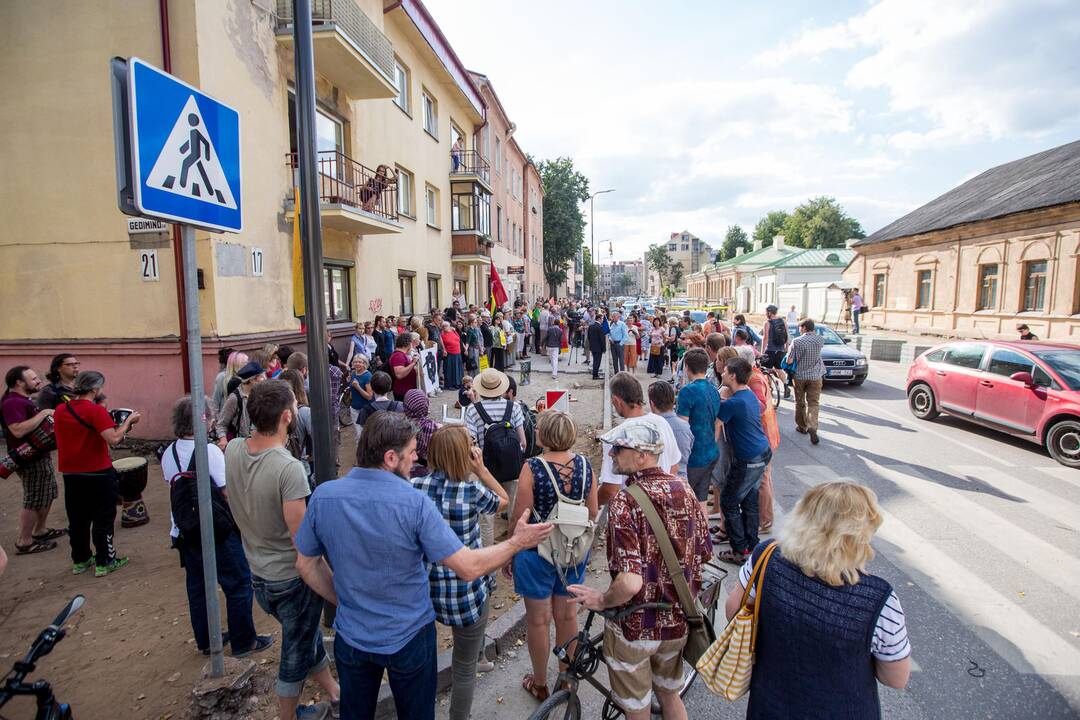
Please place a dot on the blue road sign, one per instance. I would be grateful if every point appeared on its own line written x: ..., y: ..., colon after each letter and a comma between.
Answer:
x: 185, y: 148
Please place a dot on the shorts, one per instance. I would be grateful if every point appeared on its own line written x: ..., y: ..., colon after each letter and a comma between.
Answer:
x: 635, y: 667
x: 299, y: 609
x: 39, y: 483
x: 702, y: 478
x: 772, y: 358
x: 537, y: 579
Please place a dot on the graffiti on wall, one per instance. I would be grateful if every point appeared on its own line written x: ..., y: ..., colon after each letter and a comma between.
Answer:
x: 375, y: 305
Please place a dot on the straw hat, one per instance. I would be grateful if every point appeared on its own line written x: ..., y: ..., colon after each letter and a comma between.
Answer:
x: 492, y: 383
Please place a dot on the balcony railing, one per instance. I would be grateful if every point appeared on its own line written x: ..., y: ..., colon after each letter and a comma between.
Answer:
x: 469, y: 162
x: 353, y: 22
x: 344, y: 181
x: 467, y: 246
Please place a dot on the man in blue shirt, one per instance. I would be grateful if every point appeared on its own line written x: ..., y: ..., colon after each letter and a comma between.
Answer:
x: 378, y: 533
x: 618, y: 333
x: 699, y: 404
x: 741, y: 415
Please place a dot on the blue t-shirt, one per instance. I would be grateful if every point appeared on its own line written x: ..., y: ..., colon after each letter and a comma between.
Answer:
x: 377, y: 532
x: 357, y: 401
x: 699, y: 403
x: 741, y: 415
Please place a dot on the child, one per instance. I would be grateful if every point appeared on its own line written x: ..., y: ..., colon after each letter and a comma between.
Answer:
x: 465, y: 393
x: 662, y: 402
x: 381, y: 386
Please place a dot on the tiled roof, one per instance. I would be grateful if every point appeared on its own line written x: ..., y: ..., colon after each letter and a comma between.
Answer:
x: 824, y: 257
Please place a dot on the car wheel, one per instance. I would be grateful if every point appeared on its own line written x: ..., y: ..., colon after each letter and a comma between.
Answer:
x: 858, y: 382
x: 922, y: 403
x: 1063, y: 442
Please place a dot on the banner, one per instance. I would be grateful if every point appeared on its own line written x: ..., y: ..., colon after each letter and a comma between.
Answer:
x: 429, y: 370
x: 483, y: 362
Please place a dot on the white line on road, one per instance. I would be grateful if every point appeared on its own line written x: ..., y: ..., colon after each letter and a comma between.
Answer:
x: 1069, y: 475
x: 1039, y: 500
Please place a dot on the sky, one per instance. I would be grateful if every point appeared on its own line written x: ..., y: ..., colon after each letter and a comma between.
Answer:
x: 705, y: 114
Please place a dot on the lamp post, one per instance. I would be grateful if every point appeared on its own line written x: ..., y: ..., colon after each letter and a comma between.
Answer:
x: 592, y: 233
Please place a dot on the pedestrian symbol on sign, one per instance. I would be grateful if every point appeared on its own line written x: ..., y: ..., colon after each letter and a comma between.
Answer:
x: 188, y: 164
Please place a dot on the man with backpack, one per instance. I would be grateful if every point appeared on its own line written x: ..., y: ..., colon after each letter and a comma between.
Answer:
x: 529, y: 417
x: 774, y: 343
x: 233, y: 574
x: 381, y: 386
x: 498, y: 425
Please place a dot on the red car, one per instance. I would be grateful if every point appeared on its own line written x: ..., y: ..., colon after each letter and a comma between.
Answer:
x: 1027, y: 389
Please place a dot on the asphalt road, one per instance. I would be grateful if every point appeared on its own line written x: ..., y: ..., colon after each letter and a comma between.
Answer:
x: 981, y: 541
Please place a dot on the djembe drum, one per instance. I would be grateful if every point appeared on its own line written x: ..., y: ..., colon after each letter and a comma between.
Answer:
x: 41, y: 440
x: 132, y: 472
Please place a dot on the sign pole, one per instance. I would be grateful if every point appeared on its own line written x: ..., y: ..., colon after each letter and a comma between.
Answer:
x: 202, y: 465
x: 311, y: 244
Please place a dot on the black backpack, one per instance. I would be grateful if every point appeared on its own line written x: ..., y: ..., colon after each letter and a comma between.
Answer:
x: 502, y: 448
x: 779, y: 329
x: 531, y: 448
x: 378, y: 406
x: 233, y: 430
x: 184, y: 503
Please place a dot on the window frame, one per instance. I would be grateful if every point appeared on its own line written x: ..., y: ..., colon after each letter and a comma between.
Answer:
x: 1026, y: 289
x: 1006, y: 350
x: 405, y: 192
x: 431, y: 205
x: 920, y: 304
x: 433, y: 300
x: 982, y: 356
x: 404, y: 94
x: 329, y: 269
x: 427, y: 99
x: 406, y: 278
x: 883, y: 278
x: 982, y: 302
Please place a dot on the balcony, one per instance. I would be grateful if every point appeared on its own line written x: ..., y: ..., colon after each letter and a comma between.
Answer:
x: 470, y: 248
x: 353, y: 198
x: 470, y: 228
x: 470, y: 166
x: 350, y: 50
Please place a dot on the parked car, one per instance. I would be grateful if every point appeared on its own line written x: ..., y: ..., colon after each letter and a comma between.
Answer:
x: 1027, y: 389
x: 842, y: 363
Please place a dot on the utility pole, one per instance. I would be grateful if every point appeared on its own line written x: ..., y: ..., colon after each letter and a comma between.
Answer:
x: 592, y: 233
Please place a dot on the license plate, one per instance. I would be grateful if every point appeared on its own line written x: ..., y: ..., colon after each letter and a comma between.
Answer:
x: 841, y: 373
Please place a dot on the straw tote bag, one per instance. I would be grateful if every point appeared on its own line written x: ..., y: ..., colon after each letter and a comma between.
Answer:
x: 725, y: 667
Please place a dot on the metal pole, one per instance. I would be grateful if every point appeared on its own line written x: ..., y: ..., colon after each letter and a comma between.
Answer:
x: 311, y: 244
x: 202, y: 465
x: 592, y: 252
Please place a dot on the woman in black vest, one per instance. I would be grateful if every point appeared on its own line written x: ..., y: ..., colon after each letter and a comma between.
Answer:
x: 828, y: 632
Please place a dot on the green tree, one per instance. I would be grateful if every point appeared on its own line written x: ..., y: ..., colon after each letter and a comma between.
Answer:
x: 769, y: 226
x: 623, y: 284
x: 734, y: 238
x: 588, y: 270
x: 658, y: 261
x: 675, y: 274
x: 564, y: 224
x: 820, y: 222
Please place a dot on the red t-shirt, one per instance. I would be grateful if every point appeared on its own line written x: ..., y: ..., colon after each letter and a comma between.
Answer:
x: 451, y: 342
x: 404, y: 384
x: 78, y: 448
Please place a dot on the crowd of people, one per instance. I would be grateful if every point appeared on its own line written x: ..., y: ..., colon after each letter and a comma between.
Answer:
x: 407, y: 537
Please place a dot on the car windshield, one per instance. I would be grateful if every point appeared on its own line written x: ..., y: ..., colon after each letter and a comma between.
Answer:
x: 827, y: 334
x: 1066, y: 363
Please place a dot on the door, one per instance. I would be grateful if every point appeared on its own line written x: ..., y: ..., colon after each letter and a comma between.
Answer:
x: 956, y: 377
x: 1004, y: 401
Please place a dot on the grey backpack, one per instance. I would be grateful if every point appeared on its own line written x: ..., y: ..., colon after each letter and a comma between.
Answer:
x: 569, y: 543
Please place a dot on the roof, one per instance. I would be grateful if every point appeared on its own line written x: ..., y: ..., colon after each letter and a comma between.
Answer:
x: 816, y: 257
x: 1045, y: 179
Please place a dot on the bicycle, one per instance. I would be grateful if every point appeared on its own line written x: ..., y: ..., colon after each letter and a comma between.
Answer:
x: 589, y: 653
x: 776, y: 387
x: 47, y: 706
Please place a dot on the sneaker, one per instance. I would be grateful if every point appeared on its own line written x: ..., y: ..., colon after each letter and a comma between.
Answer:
x: 318, y: 711
x: 80, y: 568
x: 484, y: 666
x: 813, y: 437
x: 261, y: 643
x: 116, y: 564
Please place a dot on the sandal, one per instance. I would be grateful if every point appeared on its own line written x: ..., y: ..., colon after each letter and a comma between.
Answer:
x: 765, y: 528
x: 35, y: 547
x: 732, y: 557
x: 540, y: 692
x: 718, y: 534
x: 50, y: 534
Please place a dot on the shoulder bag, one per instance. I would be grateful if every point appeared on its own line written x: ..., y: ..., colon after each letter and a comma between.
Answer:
x: 726, y: 665
x: 700, y: 632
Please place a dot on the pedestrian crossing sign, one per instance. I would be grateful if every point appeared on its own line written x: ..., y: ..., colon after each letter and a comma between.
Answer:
x: 185, y: 148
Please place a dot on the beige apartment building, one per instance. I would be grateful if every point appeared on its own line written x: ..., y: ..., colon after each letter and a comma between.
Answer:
x: 613, y: 272
x: 1000, y: 249
x: 686, y: 248
x: 392, y: 96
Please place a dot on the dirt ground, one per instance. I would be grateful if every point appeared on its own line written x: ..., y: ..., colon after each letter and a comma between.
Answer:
x: 130, y: 652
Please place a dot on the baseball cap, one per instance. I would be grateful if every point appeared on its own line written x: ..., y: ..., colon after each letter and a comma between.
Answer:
x: 249, y: 371
x: 636, y: 436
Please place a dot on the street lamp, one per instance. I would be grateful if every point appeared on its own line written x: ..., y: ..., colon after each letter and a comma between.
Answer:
x: 592, y: 233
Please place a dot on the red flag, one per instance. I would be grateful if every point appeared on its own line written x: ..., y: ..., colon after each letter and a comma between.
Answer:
x: 498, y: 292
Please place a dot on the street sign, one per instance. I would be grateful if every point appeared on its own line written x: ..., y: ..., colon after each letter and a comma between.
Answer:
x: 557, y: 400
x: 515, y: 269
x: 138, y: 225
x: 185, y: 149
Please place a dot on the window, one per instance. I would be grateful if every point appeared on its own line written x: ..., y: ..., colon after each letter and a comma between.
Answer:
x: 936, y: 356
x: 673, y: 247
x: 461, y: 288
x: 405, y: 192
x: 336, y: 292
x: 1006, y: 362
x: 879, y: 290
x: 431, y: 114
x: 685, y: 246
x: 498, y: 223
x: 966, y: 356
x: 1034, y: 286
x: 514, y: 239
x: 925, y: 291
x: 401, y: 80
x: 433, y: 291
x: 988, y: 282
x: 498, y: 155
x: 405, y: 293
x: 431, y: 197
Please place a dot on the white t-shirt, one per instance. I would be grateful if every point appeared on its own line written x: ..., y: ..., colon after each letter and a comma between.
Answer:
x: 669, y: 457
x: 215, y: 459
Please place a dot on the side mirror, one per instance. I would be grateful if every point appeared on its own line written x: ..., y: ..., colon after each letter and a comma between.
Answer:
x: 845, y: 338
x: 1023, y: 377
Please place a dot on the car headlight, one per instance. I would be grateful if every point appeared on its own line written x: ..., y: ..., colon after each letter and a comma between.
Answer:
x: 860, y: 362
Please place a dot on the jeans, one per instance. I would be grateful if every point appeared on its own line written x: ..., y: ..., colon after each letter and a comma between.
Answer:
x: 739, y: 501
x: 597, y: 359
x: 412, y: 671
x: 468, y: 643
x: 807, y: 402
x: 617, y: 360
x: 553, y: 354
x: 298, y: 608
x: 234, y: 578
x: 855, y: 312
x: 90, y: 501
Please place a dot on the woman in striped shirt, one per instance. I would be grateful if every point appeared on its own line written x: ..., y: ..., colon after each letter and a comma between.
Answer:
x: 828, y: 631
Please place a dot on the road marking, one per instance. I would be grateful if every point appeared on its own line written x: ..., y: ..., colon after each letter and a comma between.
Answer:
x: 1054, y: 566
x: 1041, y: 501
x: 927, y: 428
x: 1069, y: 475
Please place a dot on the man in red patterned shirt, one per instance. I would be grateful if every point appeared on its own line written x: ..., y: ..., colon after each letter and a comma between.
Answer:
x: 644, y: 649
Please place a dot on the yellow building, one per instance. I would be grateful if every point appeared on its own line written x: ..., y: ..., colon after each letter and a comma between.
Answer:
x: 390, y: 91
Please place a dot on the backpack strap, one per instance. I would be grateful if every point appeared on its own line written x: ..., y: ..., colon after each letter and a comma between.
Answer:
x: 479, y: 405
x: 686, y: 600
x: 75, y: 415
x: 509, y: 413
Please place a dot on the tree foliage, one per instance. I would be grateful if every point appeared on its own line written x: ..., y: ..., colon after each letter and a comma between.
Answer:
x: 658, y: 261
x: 588, y: 270
x: 564, y: 224
x: 624, y: 283
x: 769, y: 226
x: 734, y: 238
x: 675, y: 274
x: 820, y: 222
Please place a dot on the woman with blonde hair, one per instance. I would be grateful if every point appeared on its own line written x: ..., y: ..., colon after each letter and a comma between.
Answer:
x: 535, y: 579
x: 828, y: 631
x: 456, y: 465
x: 236, y: 361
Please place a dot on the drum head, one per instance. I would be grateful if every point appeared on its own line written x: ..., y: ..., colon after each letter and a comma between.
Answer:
x: 129, y: 463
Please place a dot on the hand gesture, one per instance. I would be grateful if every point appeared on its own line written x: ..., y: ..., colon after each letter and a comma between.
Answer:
x: 591, y: 598
x: 529, y: 536
x: 476, y: 457
x: 134, y: 418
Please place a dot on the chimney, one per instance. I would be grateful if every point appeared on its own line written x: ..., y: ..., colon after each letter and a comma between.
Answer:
x: 850, y: 242
x: 739, y: 251
x: 778, y: 242
x: 757, y: 245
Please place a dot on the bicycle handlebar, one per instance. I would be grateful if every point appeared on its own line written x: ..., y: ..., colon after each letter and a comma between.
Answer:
x: 617, y: 614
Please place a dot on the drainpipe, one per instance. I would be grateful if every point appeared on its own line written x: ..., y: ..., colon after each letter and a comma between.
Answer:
x: 178, y: 257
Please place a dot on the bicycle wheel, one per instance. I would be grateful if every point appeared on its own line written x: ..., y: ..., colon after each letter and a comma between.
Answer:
x: 777, y: 390
x: 563, y: 705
